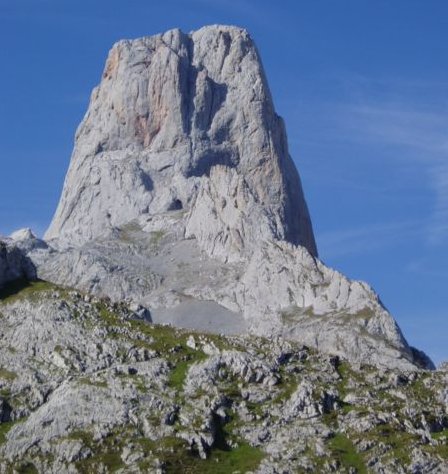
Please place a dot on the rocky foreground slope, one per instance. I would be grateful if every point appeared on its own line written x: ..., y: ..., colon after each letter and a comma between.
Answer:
x: 87, y: 385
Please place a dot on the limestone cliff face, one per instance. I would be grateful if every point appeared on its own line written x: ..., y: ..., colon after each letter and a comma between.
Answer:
x: 185, y: 122
x: 181, y: 196
x: 14, y: 265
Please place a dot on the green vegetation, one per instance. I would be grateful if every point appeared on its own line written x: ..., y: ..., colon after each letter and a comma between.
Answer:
x: 108, y: 317
x: 166, y: 340
x: 20, y: 289
x: 6, y: 374
x: 27, y: 468
x: 344, y: 451
x: 182, y: 360
x: 173, y: 452
x: 85, y: 436
x: 221, y: 461
x: 177, y: 457
x: 173, y: 344
x: 398, y: 440
x: 4, y: 428
x: 441, y: 450
x: 287, y: 388
x: 111, y: 460
x: 106, y: 452
x: 178, y: 374
x: 348, y: 375
x: 93, y: 383
x: 5, y: 393
x: 419, y: 390
x: 441, y: 434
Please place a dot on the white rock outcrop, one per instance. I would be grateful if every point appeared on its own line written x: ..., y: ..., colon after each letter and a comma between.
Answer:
x: 185, y: 122
x: 14, y: 265
x: 182, y: 197
x: 182, y: 207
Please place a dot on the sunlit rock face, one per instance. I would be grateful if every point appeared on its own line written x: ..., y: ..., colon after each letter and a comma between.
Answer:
x: 14, y: 265
x: 185, y: 121
x: 181, y: 196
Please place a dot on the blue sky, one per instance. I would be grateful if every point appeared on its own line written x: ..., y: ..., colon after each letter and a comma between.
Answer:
x: 362, y: 85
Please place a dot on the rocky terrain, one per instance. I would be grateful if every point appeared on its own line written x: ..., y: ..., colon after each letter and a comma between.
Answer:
x: 176, y: 317
x: 185, y: 122
x: 14, y: 265
x: 181, y: 196
x: 87, y: 385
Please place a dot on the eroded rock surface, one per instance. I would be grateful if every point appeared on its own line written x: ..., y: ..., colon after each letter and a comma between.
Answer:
x: 185, y: 122
x: 181, y: 197
x: 88, y: 385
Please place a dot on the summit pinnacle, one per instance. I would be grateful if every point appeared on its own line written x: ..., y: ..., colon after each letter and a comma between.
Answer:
x: 185, y: 121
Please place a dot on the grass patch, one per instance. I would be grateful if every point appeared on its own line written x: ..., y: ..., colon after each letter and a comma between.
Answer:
x: 398, y: 440
x: 287, y: 388
x: 344, y: 451
x: 243, y: 458
x: 419, y: 390
x: 178, y: 375
x: 93, y: 383
x: 106, y: 453
x: 172, y: 343
x: 4, y: 429
x: 440, y: 434
x: 177, y: 457
x: 19, y: 289
x: 107, y: 316
x: 110, y: 460
x: 183, y: 360
x: 85, y: 436
x: 347, y: 377
x: 5, y: 393
x: 6, y: 374
x: 441, y: 450
x: 27, y: 468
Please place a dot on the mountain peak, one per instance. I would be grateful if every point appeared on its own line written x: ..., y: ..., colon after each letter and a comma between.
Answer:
x: 182, y: 196
x: 185, y: 122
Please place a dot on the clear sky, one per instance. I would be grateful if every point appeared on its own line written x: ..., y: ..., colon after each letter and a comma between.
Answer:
x: 362, y: 85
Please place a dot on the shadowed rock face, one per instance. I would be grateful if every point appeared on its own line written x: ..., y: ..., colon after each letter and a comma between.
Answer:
x: 185, y: 122
x: 14, y: 265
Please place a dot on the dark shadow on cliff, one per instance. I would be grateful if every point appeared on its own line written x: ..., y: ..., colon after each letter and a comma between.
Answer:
x: 13, y: 287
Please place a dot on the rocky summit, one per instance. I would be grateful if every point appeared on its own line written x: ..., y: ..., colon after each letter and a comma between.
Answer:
x: 176, y: 317
x: 185, y: 122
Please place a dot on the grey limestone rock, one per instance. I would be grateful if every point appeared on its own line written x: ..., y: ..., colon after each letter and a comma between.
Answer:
x: 182, y: 206
x: 185, y: 122
x: 181, y: 196
x: 14, y: 264
x: 87, y: 386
